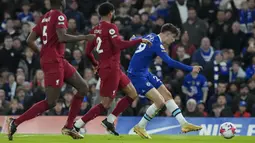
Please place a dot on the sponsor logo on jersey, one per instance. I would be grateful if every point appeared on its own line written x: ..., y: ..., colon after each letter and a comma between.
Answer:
x: 96, y: 31
x: 61, y: 23
x: 46, y: 19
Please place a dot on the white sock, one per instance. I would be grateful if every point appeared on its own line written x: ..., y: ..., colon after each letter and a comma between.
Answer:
x: 111, y: 118
x: 176, y: 112
x: 79, y: 123
x: 150, y: 113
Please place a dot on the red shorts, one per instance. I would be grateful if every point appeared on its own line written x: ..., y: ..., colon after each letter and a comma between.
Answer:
x: 56, y: 72
x: 111, y: 81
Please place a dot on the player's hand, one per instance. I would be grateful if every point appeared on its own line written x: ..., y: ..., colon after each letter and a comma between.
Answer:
x: 146, y: 41
x: 95, y: 69
x: 197, y: 69
x: 89, y: 37
x: 133, y: 36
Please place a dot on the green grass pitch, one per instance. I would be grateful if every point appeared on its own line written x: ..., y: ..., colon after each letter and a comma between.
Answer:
x: 20, y: 138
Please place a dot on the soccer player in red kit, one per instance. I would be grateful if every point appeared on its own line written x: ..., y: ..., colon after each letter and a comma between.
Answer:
x: 108, y: 45
x: 57, y: 70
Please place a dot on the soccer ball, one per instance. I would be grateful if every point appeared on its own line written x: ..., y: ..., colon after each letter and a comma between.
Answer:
x: 227, y: 130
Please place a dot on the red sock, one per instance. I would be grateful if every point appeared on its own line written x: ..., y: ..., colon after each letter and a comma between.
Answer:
x: 122, y: 105
x: 36, y: 110
x: 93, y: 113
x: 74, y: 110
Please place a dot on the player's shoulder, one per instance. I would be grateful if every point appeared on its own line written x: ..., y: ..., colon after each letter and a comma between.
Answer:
x: 202, y: 77
x: 57, y: 14
x: 153, y: 38
x: 188, y: 76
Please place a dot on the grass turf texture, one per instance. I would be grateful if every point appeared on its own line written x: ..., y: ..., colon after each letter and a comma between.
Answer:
x: 19, y: 138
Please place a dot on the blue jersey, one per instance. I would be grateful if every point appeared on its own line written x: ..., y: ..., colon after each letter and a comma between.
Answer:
x: 145, y: 55
x: 25, y: 17
x: 195, y: 85
x: 138, y: 70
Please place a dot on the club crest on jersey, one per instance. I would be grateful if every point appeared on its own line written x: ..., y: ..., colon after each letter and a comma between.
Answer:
x: 148, y: 83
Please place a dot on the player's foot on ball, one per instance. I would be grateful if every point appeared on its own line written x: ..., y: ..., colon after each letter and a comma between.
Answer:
x: 11, y: 127
x: 188, y: 127
x: 109, y: 127
x: 141, y: 132
x: 72, y: 133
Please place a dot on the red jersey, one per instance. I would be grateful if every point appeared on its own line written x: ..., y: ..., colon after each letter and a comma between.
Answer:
x: 52, y: 49
x: 108, y: 45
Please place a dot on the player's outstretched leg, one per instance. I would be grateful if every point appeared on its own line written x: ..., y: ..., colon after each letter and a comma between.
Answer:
x: 94, y: 112
x: 34, y: 111
x: 121, y: 106
x: 176, y: 112
x: 152, y: 111
x: 79, y: 83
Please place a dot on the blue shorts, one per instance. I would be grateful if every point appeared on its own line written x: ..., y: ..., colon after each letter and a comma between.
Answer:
x: 144, y: 83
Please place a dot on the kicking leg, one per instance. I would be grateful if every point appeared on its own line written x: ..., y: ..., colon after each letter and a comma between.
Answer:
x: 176, y: 112
x: 124, y: 103
x: 35, y: 110
x: 152, y: 111
x: 79, y: 83
x: 131, y: 94
x: 94, y: 112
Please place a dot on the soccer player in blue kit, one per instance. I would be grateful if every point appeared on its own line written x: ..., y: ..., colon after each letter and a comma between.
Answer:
x: 149, y: 85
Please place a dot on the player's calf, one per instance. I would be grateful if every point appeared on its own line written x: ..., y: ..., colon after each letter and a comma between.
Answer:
x: 171, y: 105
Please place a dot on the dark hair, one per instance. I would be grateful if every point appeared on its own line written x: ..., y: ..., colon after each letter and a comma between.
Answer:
x: 171, y: 28
x: 55, y: 3
x: 8, y: 37
x: 105, y: 8
x: 236, y: 62
x: 94, y: 14
x: 9, y: 19
x: 220, y: 10
x: 192, y: 8
x: 11, y: 74
x: 69, y: 92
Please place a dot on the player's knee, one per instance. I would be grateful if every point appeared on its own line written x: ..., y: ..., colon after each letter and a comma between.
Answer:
x: 106, y: 105
x: 106, y: 102
x: 51, y: 104
x: 132, y: 93
x: 160, y: 104
x: 168, y: 96
x: 83, y: 91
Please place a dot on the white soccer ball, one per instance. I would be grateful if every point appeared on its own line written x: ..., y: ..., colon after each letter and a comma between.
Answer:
x: 227, y: 130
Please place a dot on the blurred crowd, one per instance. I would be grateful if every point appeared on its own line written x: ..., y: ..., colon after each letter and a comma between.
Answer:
x: 219, y: 35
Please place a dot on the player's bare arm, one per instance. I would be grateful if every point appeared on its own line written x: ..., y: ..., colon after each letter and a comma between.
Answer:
x: 64, y: 37
x: 146, y: 41
x: 31, y: 41
x: 88, y: 52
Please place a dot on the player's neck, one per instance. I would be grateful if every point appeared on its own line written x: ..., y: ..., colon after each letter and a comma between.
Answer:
x: 194, y: 75
x: 106, y: 19
x: 57, y: 8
